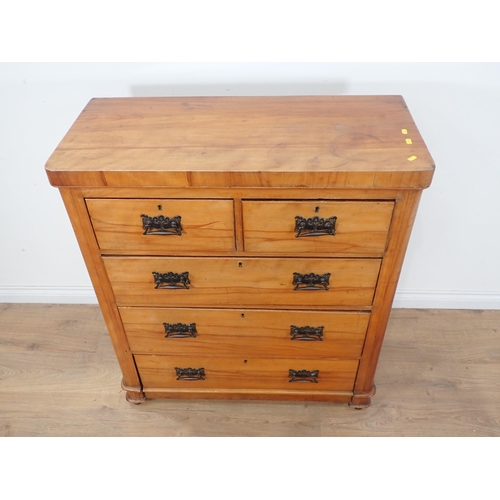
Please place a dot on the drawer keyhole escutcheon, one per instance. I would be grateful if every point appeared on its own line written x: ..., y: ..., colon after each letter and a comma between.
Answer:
x: 159, y: 225
x: 160, y: 208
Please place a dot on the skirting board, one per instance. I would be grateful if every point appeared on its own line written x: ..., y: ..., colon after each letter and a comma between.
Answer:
x: 446, y: 299
x: 414, y: 299
x: 48, y: 295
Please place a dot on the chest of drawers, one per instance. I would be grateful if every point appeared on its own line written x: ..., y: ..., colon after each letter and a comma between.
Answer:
x: 244, y: 247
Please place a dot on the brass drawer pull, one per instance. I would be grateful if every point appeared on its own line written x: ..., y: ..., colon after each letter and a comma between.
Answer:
x: 306, y: 332
x: 171, y: 280
x: 161, y: 225
x: 314, y: 226
x: 180, y: 330
x: 190, y: 373
x: 304, y: 376
x: 311, y: 281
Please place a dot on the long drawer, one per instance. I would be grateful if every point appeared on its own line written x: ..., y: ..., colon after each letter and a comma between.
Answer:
x: 245, y: 332
x: 185, y: 372
x: 142, y: 226
x: 248, y: 282
x: 343, y: 228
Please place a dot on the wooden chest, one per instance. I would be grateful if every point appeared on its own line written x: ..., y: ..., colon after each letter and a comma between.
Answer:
x: 244, y: 247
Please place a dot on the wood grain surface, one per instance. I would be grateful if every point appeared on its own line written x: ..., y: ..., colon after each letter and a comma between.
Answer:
x: 207, y: 225
x: 437, y: 376
x: 341, y: 141
x: 243, y: 282
x: 247, y: 332
x: 360, y: 228
x: 245, y: 373
x: 77, y: 211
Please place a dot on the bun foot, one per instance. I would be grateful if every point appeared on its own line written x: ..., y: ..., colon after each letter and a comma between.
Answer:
x: 362, y: 400
x: 135, y: 398
x: 133, y: 394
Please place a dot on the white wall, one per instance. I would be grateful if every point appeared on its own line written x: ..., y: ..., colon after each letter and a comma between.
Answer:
x: 454, y: 253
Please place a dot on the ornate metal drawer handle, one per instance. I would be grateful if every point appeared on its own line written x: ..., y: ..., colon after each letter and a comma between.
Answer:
x: 162, y: 225
x: 180, y: 330
x: 171, y: 280
x: 306, y: 332
x: 190, y: 373
x: 311, y: 281
x: 304, y: 376
x: 314, y: 226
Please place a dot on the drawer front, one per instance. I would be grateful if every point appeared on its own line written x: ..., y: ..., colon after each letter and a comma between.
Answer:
x: 163, y: 226
x: 255, y: 333
x: 342, y: 228
x: 249, y: 282
x: 250, y: 373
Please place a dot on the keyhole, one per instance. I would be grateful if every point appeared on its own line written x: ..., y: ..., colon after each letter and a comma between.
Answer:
x: 240, y: 264
x: 242, y: 315
x: 316, y: 209
x: 159, y: 207
x: 244, y: 361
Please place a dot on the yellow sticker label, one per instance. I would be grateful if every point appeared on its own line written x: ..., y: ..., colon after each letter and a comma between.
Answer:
x: 411, y: 158
x: 404, y: 131
x: 409, y: 141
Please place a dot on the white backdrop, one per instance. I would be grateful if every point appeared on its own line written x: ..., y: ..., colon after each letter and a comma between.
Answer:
x: 454, y: 252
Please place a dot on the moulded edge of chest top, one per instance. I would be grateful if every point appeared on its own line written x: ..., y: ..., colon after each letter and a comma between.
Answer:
x: 242, y: 193
x: 401, y: 179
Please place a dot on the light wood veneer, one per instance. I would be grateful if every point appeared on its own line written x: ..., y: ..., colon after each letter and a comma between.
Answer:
x: 245, y: 217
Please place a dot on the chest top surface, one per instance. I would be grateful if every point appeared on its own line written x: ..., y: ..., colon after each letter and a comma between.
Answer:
x: 297, y: 141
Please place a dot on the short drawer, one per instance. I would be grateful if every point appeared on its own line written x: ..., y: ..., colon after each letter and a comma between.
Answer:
x: 342, y: 228
x: 247, y: 282
x: 245, y: 332
x: 185, y: 372
x: 145, y: 226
